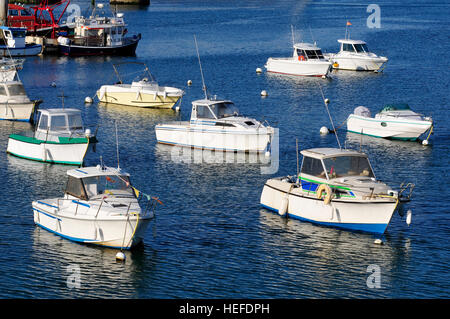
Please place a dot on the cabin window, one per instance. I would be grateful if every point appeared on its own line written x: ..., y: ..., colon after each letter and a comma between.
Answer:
x: 204, y: 112
x: 25, y: 13
x: 13, y: 12
x: 361, y: 48
x: 7, y: 34
x: 313, y: 166
x: 75, y: 188
x: 19, y: 33
x: 225, y: 110
x: 58, y: 123
x: 314, y: 54
x: 347, y: 47
x: 16, y: 89
x: 108, y: 185
x: 341, y: 166
x: 75, y: 122
x: 43, y: 122
x: 2, y: 90
x: 300, y: 53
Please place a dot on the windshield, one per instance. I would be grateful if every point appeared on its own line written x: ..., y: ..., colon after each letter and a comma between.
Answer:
x: 348, y: 166
x: 108, y: 185
x: 75, y: 122
x: 361, y: 48
x: 225, y: 110
x: 314, y: 54
x: 16, y: 89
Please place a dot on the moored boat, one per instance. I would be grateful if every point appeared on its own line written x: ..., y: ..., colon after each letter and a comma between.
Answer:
x: 335, y: 188
x: 394, y: 121
x: 142, y: 92
x: 99, y: 207
x: 307, y: 60
x: 12, y: 43
x: 59, y: 138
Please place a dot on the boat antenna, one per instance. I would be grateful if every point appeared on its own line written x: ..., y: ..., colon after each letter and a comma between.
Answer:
x: 293, y: 35
x: 326, y: 101
x: 298, y: 171
x: 312, y: 38
x: 117, y: 147
x: 201, y: 71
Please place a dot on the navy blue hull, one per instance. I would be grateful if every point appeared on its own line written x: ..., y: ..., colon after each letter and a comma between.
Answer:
x: 78, y: 50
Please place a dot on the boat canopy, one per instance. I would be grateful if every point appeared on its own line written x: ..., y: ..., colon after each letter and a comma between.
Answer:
x: 395, y: 107
x: 307, y: 51
x: 60, y: 120
x: 209, y: 109
x: 88, y: 182
x: 357, y: 46
x: 333, y: 163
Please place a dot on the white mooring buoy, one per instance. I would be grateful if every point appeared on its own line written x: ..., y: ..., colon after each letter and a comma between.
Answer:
x: 189, y: 82
x: 425, y: 142
x: 88, y: 100
x: 53, y: 84
x: 264, y: 93
x: 408, y: 216
x: 258, y: 70
x: 120, y: 256
x: 378, y: 241
x: 324, y: 130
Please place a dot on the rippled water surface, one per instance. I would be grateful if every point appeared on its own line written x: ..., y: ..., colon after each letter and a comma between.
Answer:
x: 211, y: 238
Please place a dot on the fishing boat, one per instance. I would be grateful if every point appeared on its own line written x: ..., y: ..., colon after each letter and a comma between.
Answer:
x: 337, y: 188
x: 97, y: 35
x: 99, y: 207
x: 354, y: 55
x: 12, y: 43
x: 307, y: 60
x: 216, y: 125
x: 142, y: 92
x: 59, y: 138
x: 14, y: 102
x: 394, y: 121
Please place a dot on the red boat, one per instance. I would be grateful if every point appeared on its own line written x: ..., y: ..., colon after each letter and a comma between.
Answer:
x: 39, y: 20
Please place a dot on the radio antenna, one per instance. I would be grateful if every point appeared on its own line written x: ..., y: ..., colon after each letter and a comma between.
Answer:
x: 326, y: 101
x: 201, y: 70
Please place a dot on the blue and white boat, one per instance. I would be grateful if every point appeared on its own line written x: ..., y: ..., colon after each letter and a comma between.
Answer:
x: 12, y: 43
x: 335, y: 188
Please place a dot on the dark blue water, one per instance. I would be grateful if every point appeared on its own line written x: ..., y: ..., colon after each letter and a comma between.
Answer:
x: 211, y: 238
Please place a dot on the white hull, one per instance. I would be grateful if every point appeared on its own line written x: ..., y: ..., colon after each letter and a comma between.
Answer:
x: 355, y: 63
x: 292, y: 66
x: 124, y: 95
x: 112, y: 231
x: 50, y: 152
x: 29, y: 50
x: 359, y: 215
x: 214, y: 137
x: 387, y: 127
x: 16, y: 111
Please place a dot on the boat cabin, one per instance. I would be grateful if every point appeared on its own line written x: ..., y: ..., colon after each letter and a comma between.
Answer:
x: 307, y: 51
x: 353, y: 46
x: 99, y: 31
x: 88, y: 183
x: 12, y: 90
x: 214, y: 110
x: 331, y: 163
x: 59, y: 121
x: 12, y: 37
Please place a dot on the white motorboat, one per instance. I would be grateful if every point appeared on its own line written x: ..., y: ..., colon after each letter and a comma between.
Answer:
x: 59, y: 138
x: 216, y: 125
x: 307, y: 60
x: 355, y: 55
x: 394, y: 121
x: 99, y: 207
x: 335, y: 188
x: 9, y: 68
x: 14, y: 102
x: 12, y: 43
x: 142, y: 92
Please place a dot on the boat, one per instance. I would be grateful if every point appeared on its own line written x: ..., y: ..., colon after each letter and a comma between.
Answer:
x: 215, y: 124
x: 59, y: 138
x: 337, y: 188
x: 97, y: 35
x: 12, y: 43
x: 142, y: 92
x: 14, y: 102
x: 99, y: 207
x: 307, y: 60
x: 354, y: 55
x: 394, y: 121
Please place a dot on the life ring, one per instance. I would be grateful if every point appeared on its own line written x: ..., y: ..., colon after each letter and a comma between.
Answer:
x: 301, y: 58
x: 321, y: 189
